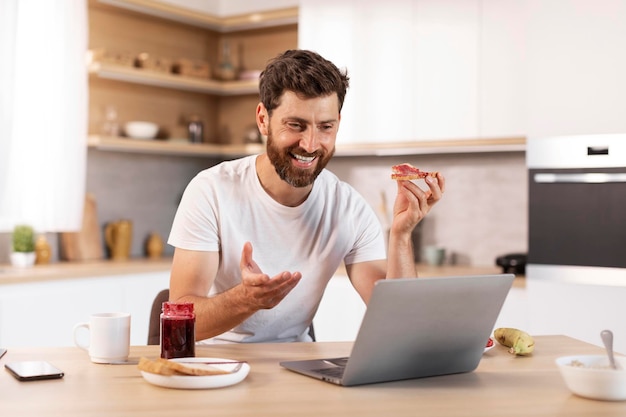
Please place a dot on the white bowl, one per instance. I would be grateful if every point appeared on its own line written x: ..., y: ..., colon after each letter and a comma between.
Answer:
x: 590, y: 376
x: 141, y: 130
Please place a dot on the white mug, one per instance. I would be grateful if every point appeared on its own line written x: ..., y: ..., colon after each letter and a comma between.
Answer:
x: 109, y: 337
x: 434, y: 255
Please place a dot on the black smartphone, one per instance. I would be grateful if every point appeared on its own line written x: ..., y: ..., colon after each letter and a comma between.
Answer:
x: 33, y: 370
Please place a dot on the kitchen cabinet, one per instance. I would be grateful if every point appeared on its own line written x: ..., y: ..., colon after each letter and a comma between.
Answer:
x: 44, y: 313
x: 446, y: 69
x: 576, y: 67
x: 577, y: 309
x: 423, y: 69
x: 372, y: 44
x: 340, y: 313
x: 226, y: 108
x: 502, y: 65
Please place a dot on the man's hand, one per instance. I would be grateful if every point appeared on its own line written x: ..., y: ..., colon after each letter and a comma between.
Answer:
x: 258, y: 288
x: 412, y: 203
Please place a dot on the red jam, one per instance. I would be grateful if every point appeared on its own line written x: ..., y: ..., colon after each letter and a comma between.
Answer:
x: 178, y: 336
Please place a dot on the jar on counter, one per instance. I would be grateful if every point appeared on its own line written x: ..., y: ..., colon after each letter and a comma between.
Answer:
x: 178, y: 330
x: 154, y: 246
x: 42, y: 251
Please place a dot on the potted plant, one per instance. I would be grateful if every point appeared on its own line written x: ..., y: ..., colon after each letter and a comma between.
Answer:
x: 23, y: 244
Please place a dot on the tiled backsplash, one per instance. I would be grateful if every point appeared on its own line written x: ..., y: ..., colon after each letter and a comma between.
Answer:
x: 483, y: 213
x: 484, y: 210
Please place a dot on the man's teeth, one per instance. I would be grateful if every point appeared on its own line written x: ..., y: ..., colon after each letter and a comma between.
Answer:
x: 304, y: 158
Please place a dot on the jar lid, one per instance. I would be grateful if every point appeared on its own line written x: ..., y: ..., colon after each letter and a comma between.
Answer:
x: 177, y: 309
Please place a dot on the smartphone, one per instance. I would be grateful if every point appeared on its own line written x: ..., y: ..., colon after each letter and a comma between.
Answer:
x: 33, y: 370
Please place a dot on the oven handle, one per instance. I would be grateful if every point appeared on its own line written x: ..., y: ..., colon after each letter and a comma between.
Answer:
x: 588, y: 178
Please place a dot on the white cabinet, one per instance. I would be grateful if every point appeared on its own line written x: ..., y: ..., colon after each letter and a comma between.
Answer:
x: 340, y: 313
x: 371, y: 42
x: 576, y: 62
x: 423, y: 69
x: 44, y: 313
x: 445, y: 69
x: 577, y: 310
x: 502, y: 89
x: 515, y: 310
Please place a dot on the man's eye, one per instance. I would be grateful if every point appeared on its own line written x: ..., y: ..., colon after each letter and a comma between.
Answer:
x: 327, y: 127
x: 296, y: 126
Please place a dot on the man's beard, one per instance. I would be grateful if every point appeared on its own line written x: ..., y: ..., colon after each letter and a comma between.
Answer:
x: 296, y: 177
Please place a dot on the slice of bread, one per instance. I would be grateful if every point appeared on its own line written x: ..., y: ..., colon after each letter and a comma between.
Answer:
x: 167, y: 367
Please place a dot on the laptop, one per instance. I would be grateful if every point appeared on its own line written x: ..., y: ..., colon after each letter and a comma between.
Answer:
x: 416, y: 328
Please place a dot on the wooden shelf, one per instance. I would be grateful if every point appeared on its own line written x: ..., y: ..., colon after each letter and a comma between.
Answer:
x: 195, y: 17
x: 182, y: 148
x: 171, y: 147
x: 173, y: 81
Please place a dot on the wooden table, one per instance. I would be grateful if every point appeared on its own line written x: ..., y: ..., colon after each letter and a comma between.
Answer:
x: 503, y: 385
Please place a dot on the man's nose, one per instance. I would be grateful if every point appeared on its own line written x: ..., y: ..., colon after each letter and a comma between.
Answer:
x: 310, y: 141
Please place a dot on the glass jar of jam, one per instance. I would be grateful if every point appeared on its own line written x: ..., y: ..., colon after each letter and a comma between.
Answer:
x: 178, y: 333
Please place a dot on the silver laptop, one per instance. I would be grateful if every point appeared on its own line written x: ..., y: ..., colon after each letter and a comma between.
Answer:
x: 416, y: 328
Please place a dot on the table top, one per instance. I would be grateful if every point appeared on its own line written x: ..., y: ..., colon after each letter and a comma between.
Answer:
x: 502, y: 385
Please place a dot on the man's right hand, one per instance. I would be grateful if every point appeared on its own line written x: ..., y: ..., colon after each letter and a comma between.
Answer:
x: 258, y: 288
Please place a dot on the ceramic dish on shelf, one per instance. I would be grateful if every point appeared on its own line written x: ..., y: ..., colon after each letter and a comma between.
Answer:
x: 141, y: 130
x: 201, y: 382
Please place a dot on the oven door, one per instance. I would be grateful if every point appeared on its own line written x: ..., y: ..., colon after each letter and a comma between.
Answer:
x: 577, y: 217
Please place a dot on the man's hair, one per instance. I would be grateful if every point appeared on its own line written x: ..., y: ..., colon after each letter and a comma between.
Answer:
x: 306, y: 73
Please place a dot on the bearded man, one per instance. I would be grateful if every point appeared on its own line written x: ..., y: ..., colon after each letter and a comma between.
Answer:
x: 257, y: 239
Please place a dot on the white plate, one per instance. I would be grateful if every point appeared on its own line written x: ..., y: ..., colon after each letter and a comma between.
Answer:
x: 200, y: 382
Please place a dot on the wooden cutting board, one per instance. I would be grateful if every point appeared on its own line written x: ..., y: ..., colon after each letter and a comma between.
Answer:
x: 85, y: 244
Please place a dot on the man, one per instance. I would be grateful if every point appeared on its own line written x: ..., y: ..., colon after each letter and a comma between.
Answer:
x: 258, y: 238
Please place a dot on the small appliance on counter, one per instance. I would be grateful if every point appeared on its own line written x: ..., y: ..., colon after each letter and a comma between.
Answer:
x: 513, y: 263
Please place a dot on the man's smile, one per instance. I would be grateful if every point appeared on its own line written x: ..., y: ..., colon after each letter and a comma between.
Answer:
x: 302, y: 160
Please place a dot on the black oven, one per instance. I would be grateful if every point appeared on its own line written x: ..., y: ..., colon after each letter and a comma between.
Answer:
x: 577, y: 201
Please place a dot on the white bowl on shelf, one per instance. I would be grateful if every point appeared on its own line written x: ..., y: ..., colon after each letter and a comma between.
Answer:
x: 141, y: 130
x: 590, y: 376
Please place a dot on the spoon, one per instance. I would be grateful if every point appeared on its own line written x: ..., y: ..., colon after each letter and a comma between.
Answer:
x: 607, y: 339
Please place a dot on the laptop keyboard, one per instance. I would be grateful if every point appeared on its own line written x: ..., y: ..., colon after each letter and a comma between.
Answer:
x: 336, y: 372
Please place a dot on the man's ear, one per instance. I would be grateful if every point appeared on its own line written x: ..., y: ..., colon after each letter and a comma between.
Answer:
x: 262, y: 119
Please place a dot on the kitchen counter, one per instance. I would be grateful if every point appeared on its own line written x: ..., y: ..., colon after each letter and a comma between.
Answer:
x: 427, y: 271
x: 70, y: 270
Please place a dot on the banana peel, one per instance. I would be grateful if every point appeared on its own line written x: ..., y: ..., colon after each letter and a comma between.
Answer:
x: 518, y: 341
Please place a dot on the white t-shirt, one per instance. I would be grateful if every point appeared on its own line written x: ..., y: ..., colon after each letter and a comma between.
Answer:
x: 225, y: 206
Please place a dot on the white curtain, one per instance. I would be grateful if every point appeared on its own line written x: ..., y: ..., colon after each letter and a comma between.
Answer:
x: 43, y: 113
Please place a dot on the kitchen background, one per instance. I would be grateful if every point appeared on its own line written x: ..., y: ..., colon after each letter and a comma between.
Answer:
x: 457, y: 86
x: 483, y: 214
x: 463, y: 70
